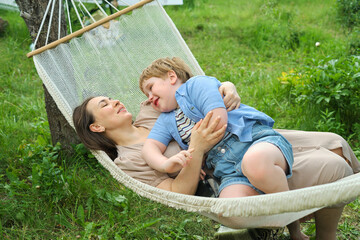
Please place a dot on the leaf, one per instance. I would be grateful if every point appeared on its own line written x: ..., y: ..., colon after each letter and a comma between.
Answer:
x: 356, y: 75
x: 88, y: 228
x: 146, y: 225
x: 81, y: 215
x: 62, y: 221
x: 120, y: 198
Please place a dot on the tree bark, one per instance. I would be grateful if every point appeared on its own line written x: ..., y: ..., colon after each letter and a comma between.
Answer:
x: 32, y: 11
x: 3, y: 25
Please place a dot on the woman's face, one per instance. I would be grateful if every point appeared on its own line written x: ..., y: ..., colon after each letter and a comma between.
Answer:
x: 108, y: 113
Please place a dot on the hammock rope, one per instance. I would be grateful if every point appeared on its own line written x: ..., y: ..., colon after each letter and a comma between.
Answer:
x: 59, y: 17
x: 50, y: 21
x: 68, y: 15
x: 87, y: 28
x: 75, y: 68
x: 42, y: 22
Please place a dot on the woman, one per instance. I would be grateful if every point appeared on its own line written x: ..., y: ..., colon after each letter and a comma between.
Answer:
x: 104, y: 124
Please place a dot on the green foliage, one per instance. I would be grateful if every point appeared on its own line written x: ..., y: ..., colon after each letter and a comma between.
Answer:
x: 20, y: 88
x: 328, y: 123
x: 45, y: 195
x: 354, y: 42
x: 331, y: 86
x: 349, y: 12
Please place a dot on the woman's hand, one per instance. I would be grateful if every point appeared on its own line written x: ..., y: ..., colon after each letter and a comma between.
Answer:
x: 204, y: 136
x: 230, y: 96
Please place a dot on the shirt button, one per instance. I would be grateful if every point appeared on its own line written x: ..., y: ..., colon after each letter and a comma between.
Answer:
x: 218, y: 148
x: 317, y: 147
x: 223, y: 151
x: 300, y: 149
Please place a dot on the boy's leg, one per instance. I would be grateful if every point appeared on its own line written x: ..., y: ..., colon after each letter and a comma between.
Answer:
x: 237, y: 190
x: 265, y: 167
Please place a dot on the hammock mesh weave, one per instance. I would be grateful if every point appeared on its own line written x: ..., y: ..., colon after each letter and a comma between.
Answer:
x: 108, y: 62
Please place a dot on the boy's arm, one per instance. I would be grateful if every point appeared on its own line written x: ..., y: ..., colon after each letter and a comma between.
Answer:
x: 222, y: 114
x: 205, y: 94
x: 152, y: 153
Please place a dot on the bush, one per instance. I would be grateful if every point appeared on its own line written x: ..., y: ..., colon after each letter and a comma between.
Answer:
x: 354, y: 41
x: 349, y: 12
x: 331, y: 86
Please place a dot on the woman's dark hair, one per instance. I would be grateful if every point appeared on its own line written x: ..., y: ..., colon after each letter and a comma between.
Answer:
x: 93, y: 140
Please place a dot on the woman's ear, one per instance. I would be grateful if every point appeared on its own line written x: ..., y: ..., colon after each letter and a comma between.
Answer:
x: 94, y: 127
x: 173, y: 77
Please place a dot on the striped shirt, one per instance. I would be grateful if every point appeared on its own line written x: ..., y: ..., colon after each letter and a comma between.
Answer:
x: 184, y: 125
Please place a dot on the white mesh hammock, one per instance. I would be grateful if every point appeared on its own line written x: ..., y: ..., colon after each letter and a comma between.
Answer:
x: 109, y: 61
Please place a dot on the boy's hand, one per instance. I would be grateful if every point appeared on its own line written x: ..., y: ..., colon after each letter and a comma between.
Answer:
x: 178, y: 161
x: 230, y: 96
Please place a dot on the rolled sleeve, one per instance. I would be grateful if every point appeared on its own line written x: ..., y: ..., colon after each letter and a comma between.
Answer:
x: 204, y: 91
x: 160, y: 131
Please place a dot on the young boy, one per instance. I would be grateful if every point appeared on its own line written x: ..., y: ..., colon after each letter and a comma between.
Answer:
x: 251, y: 158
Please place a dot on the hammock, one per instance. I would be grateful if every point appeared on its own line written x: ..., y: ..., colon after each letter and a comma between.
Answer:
x: 109, y: 61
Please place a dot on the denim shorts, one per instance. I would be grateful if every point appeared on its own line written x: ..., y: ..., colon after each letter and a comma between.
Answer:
x: 226, y: 156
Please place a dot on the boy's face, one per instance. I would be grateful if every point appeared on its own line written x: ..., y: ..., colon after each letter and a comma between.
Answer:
x: 161, y: 92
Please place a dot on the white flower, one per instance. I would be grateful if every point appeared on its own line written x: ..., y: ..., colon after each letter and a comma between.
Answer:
x: 317, y: 44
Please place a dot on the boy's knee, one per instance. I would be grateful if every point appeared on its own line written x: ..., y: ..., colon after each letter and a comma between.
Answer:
x: 254, y: 165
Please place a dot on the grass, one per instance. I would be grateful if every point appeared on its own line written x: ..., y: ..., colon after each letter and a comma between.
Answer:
x: 44, y: 195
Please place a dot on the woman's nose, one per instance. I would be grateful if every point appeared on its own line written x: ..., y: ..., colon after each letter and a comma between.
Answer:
x: 115, y: 102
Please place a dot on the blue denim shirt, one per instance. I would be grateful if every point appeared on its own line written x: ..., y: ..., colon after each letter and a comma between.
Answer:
x: 198, y: 96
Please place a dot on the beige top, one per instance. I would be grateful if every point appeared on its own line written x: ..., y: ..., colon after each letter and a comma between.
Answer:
x: 313, y: 162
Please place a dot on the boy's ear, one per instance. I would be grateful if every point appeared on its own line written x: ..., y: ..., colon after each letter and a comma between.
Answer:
x: 94, y: 127
x: 173, y: 77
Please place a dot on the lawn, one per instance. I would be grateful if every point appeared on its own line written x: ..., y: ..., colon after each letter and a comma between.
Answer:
x: 257, y: 45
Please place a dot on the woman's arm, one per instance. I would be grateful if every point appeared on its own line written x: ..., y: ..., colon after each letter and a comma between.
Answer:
x: 203, y: 137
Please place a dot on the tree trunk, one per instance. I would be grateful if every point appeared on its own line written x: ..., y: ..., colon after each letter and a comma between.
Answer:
x: 32, y: 11
x: 3, y: 25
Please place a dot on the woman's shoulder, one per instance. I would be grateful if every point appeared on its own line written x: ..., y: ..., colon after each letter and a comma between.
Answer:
x: 147, y: 116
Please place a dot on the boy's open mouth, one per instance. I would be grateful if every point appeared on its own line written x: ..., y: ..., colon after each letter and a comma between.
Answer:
x: 156, y: 102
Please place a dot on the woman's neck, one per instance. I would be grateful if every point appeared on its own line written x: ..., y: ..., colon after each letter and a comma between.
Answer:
x: 129, y: 136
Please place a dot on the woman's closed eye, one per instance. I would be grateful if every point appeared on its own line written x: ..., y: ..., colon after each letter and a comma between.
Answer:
x: 104, y: 102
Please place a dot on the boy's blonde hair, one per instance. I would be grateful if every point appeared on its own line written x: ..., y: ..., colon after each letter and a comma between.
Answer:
x: 160, y: 67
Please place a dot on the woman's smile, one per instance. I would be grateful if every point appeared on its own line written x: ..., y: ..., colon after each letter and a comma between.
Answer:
x: 122, y: 109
